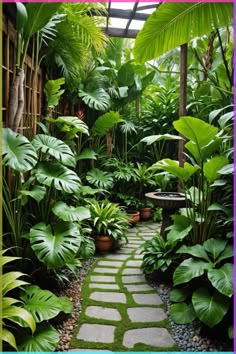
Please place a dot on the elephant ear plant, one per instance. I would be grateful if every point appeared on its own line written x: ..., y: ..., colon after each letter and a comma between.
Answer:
x: 210, y: 301
x: 199, y: 177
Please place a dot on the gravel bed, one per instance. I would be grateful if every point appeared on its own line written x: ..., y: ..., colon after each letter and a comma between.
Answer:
x: 187, y: 336
x: 73, y: 291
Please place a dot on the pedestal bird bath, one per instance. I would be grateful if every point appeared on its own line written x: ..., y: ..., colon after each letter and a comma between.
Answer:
x: 169, y: 202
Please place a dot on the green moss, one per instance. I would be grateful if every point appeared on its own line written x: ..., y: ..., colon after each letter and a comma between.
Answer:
x: 121, y: 326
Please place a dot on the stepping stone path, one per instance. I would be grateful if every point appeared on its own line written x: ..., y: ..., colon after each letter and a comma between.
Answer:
x: 121, y: 310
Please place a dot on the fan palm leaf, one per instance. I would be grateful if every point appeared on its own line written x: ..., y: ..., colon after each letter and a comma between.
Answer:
x: 174, y: 24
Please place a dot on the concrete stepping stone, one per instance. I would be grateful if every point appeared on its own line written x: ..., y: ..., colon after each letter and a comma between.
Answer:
x: 146, y: 314
x: 139, y: 287
x: 105, y: 270
x: 119, y: 257
x: 132, y: 271
x: 133, y: 263
x: 96, y: 333
x: 108, y: 297
x: 103, y: 278
x: 138, y: 256
x: 136, y: 242
x: 132, y: 230
x: 110, y: 264
x: 156, y: 337
x: 104, y: 313
x: 147, y: 299
x: 124, y: 251
x: 104, y: 286
x: 88, y: 350
x: 128, y: 279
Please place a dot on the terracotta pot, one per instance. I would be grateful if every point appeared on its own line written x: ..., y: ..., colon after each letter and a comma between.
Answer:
x: 145, y: 213
x: 103, y: 243
x: 133, y: 216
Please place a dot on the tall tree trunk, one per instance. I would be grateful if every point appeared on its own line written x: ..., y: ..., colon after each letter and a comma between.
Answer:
x: 16, y: 102
x: 109, y: 143
x: 182, y: 99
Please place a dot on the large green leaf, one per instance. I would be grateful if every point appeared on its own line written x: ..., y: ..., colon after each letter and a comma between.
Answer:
x: 172, y: 166
x: 179, y: 295
x: 196, y: 130
x: 42, y: 304
x: 210, y: 308
x: 37, y: 193
x: 182, y: 313
x: 17, y: 314
x: 211, y: 167
x: 96, y: 99
x: 180, y: 229
x: 53, y: 92
x: 222, y: 279
x: 45, y: 339
x: 8, y: 337
x: 18, y: 153
x: 205, y: 151
x: 71, y: 125
x: 154, y: 138
x: 57, y: 176
x: 227, y: 253
x: 11, y: 281
x: 100, y: 179
x: 173, y: 24
x: 196, y: 251
x: 190, y: 269
x: 87, y: 154
x: 54, y: 246
x: 21, y: 16
x: 214, y: 247
x: 105, y: 122
x: 70, y: 213
x: 55, y: 148
x: 39, y: 15
x: 125, y: 76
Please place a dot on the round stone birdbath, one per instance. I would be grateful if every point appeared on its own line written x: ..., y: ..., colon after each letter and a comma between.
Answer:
x: 170, y: 202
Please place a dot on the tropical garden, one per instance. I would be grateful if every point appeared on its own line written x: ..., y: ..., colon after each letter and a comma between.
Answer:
x: 154, y: 114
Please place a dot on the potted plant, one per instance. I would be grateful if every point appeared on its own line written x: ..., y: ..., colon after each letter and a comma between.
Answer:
x: 131, y: 205
x: 109, y: 224
x: 146, y: 210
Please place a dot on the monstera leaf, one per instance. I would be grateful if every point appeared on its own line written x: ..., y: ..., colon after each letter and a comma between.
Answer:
x: 54, y: 246
x: 70, y: 213
x: 57, y: 176
x: 53, y: 92
x: 55, y: 148
x: 18, y: 153
x: 71, y: 125
x: 37, y: 193
x: 96, y: 98
x: 45, y: 339
x: 42, y: 304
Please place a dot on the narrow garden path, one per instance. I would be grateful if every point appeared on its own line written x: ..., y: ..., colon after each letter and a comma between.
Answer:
x: 120, y: 311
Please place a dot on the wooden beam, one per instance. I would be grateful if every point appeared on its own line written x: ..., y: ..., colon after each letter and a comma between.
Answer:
x: 126, y: 14
x: 120, y: 32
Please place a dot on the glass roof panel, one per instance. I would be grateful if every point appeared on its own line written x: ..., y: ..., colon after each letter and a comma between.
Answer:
x: 122, y: 5
x: 117, y: 22
x: 136, y: 25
